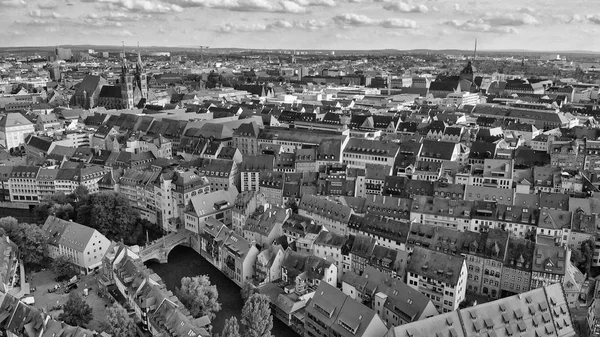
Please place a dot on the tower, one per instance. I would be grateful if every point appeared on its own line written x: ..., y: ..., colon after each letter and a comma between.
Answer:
x: 140, y: 76
x: 126, y: 82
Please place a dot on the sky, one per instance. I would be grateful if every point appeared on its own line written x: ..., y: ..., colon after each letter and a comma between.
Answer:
x: 305, y: 24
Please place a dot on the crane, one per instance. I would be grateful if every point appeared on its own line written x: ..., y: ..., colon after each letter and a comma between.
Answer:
x: 202, y: 53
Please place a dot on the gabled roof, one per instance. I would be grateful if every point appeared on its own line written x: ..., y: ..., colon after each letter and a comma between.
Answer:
x: 13, y: 119
x: 67, y: 233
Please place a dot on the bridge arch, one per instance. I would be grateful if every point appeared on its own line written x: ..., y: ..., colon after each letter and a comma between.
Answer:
x: 160, y: 249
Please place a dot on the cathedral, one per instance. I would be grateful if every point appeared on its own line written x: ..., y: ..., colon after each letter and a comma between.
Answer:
x: 134, y: 84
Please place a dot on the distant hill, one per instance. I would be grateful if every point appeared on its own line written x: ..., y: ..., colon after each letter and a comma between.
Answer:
x: 102, y: 48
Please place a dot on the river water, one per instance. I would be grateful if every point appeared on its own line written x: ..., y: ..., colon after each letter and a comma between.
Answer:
x: 184, y: 261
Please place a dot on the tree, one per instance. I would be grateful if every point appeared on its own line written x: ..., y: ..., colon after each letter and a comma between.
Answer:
x: 248, y: 289
x: 256, y: 316
x: 76, y: 311
x: 118, y: 322
x: 110, y: 213
x: 576, y: 257
x: 10, y: 225
x: 231, y: 329
x: 587, y: 251
x: 62, y: 266
x: 199, y: 296
x: 31, y: 242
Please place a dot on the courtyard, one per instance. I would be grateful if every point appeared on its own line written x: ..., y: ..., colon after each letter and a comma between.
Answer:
x: 44, y: 280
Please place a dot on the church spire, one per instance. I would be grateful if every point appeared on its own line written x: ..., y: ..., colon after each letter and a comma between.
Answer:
x: 139, y: 65
x: 123, y: 59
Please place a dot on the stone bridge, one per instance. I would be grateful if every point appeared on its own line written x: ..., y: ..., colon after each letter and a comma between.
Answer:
x: 159, y: 250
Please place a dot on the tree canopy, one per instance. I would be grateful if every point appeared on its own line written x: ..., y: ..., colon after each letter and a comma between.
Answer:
x: 247, y: 290
x: 110, y: 213
x: 62, y: 266
x: 118, y: 323
x: 232, y: 328
x: 199, y: 296
x: 76, y: 311
x: 257, y: 319
x: 29, y: 238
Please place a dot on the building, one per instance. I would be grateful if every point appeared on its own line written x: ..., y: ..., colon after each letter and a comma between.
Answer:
x: 238, y: 257
x: 13, y: 129
x: 22, y: 184
x: 218, y: 205
x: 549, y: 265
x: 83, y: 246
x: 332, y: 313
x: 516, y: 270
x: 264, y: 225
x: 439, y: 276
x: 393, y: 300
x: 329, y: 214
x: 10, y: 266
x: 593, y: 318
x: 539, y: 312
x: 332, y: 247
x: 360, y: 152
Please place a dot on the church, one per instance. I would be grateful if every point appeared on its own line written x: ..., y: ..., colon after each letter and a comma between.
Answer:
x: 131, y: 90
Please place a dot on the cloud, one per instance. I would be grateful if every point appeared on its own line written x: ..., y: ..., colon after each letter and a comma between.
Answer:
x: 500, y: 23
x: 36, y: 13
x: 398, y: 23
x: 480, y: 25
x: 358, y: 20
x: 47, y: 5
x: 510, y: 19
x: 592, y: 18
x: 139, y: 6
x: 275, y: 25
x: 274, y: 6
x: 13, y: 3
x: 405, y: 7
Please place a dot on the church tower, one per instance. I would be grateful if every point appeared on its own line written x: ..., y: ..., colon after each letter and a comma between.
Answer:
x: 140, y: 78
x: 126, y: 82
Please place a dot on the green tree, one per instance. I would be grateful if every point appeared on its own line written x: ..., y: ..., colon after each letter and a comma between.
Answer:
x: 118, y: 322
x: 76, y: 311
x: 111, y: 214
x: 31, y: 242
x: 62, y: 266
x: 248, y: 289
x: 257, y: 319
x: 10, y: 225
x: 232, y: 328
x: 199, y: 296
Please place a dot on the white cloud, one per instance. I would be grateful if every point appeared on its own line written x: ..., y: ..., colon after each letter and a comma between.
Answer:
x: 47, y: 5
x: 510, y: 19
x: 405, y: 7
x: 139, y: 6
x: 275, y: 25
x: 36, y: 13
x: 358, y: 20
x: 398, y: 23
x: 350, y: 19
x: 13, y: 3
x: 480, y: 25
x: 275, y: 6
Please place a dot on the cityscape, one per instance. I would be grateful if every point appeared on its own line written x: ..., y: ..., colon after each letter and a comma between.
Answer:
x: 314, y: 168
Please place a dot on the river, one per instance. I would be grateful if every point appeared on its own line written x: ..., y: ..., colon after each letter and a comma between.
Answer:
x: 184, y: 261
